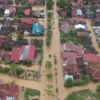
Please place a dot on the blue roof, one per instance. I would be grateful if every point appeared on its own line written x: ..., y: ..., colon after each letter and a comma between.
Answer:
x: 37, y: 30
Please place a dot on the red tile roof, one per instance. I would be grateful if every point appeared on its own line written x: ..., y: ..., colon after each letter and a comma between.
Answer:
x: 27, y: 20
x: 79, y: 19
x: 89, y: 57
x: 12, y: 9
x: 23, y: 53
x: 71, y: 69
x: 8, y: 90
x: 70, y: 46
x: 31, y: 52
x: 15, y: 56
x: 66, y: 55
x: 27, y: 12
x: 93, y: 72
x: 32, y: 1
x: 80, y: 1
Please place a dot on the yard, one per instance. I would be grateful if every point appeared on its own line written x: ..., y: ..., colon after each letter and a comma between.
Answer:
x: 83, y: 95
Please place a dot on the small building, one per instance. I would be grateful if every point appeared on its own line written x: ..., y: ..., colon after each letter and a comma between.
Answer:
x: 28, y: 21
x: 37, y: 29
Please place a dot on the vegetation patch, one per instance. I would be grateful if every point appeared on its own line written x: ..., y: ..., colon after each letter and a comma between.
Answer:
x: 83, y: 95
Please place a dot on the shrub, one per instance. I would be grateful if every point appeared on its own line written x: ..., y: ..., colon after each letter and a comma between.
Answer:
x: 27, y: 63
x: 5, y: 70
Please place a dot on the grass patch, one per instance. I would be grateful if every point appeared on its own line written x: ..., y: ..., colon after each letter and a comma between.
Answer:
x: 86, y: 94
x: 31, y: 92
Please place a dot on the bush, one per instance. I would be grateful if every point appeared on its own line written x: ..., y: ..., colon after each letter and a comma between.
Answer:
x: 19, y: 71
x: 27, y: 63
x: 83, y: 81
x: 5, y: 70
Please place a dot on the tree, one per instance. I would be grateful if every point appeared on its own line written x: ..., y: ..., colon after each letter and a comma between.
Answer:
x: 69, y: 82
x: 48, y: 65
x: 49, y: 4
x: 64, y: 4
x: 49, y: 76
x: 13, y: 68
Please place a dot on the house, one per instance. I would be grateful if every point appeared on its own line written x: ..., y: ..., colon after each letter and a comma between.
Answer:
x: 79, y: 12
x: 8, y: 92
x: 12, y: 10
x: 15, y: 58
x: 26, y: 52
x: 82, y: 34
x: 93, y: 71
x: 37, y: 29
x: 91, y: 58
x: 80, y: 26
x: 80, y: 2
x: 64, y: 27
x: 28, y: 21
x: 79, y: 20
x: 72, y: 70
x: 27, y: 12
x: 21, y: 30
x: 72, y: 47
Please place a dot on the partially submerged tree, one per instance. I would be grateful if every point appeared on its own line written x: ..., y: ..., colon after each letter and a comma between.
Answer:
x: 48, y: 65
x: 49, y: 4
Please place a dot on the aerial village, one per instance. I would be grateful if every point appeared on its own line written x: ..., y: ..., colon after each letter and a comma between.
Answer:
x: 49, y: 49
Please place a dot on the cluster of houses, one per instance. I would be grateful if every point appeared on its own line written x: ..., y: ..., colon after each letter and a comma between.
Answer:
x: 8, y: 91
x: 75, y: 57
x: 14, y: 50
x: 21, y: 20
x: 25, y: 2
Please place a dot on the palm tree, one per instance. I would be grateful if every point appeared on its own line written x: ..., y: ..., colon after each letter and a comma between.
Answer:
x: 13, y: 68
x: 48, y: 65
